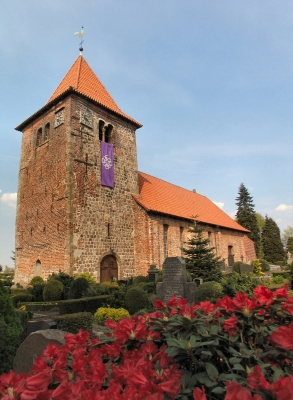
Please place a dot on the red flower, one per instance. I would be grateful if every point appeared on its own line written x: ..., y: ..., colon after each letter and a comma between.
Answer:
x: 282, y: 388
x: 256, y: 380
x: 282, y: 293
x: 199, y: 394
x: 263, y: 295
x: 159, y: 304
x: 226, y: 303
x: 230, y: 325
x: 237, y: 392
x: 243, y: 303
x: 283, y: 337
x: 172, y: 302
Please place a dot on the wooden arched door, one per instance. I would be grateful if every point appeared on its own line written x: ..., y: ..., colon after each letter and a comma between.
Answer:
x: 109, y: 269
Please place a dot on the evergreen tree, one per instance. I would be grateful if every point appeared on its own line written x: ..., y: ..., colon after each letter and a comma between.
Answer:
x: 246, y: 215
x: 199, y: 257
x: 271, y: 240
x: 289, y: 246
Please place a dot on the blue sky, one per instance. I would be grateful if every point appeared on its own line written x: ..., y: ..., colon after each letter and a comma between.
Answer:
x: 211, y: 81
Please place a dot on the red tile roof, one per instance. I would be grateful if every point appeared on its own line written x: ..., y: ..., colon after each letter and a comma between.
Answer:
x: 83, y: 80
x: 164, y: 197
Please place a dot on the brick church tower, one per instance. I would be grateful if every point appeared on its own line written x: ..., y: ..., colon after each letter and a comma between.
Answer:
x: 67, y: 217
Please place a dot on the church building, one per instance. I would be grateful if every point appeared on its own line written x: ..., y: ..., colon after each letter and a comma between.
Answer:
x: 83, y: 206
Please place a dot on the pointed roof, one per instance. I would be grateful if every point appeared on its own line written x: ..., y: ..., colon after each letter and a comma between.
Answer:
x: 83, y: 80
x: 164, y: 197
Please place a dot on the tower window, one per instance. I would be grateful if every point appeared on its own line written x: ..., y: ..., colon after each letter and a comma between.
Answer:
x: 101, y: 129
x: 108, y: 230
x: 166, y: 227
x: 209, y: 238
x: 181, y: 238
x: 47, y: 132
x: 108, y: 131
x: 39, y: 137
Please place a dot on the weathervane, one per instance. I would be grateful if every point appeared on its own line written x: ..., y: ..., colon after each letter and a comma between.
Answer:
x: 80, y: 34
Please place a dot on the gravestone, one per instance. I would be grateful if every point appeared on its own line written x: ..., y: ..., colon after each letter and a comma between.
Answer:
x: 246, y: 269
x: 174, y: 281
x: 33, y: 346
x: 33, y: 326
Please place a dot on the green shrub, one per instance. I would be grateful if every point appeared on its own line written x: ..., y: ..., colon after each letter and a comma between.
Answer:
x: 7, y: 280
x: 208, y: 291
x: 136, y: 299
x: 36, y: 280
x: 77, y: 288
x: 53, y: 290
x: 15, y: 291
x: 239, y: 283
x: 265, y: 266
x: 20, y: 297
x: 115, y: 314
x: 10, y: 331
x: 39, y: 306
x: 148, y: 287
x: 100, y: 289
x: 24, y: 316
x: 72, y: 323
x: 85, y: 275
x: 64, y: 278
x: 278, y: 279
x: 236, y: 267
x: 37, y: 291
x: 117, y: 297
x: 86, y: 304
x: 140, y: 278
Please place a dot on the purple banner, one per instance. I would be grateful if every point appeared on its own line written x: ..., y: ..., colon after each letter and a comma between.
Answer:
x: 107, y: 164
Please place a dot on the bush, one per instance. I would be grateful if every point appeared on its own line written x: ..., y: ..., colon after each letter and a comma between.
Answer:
x: 53, y: 290
x: 36, y: 280
x: 10, y: 331
x: 265, y: 266
x: 239, y: 283
x: 236, y: 267
x: 278, y: 279
x: 257, y: 267
x: 117, y: 298
x: 140, y: 278
x: 100, y: 289
x: 85, y: 275
x: 24, y: 316
x: 136, y: 299
x: 115, y: 314
x: 148, y: 287
x: 208, y: 291
x: 72, y: 323
x: 37, y: 291
x: 64, y: 278
x: 20, y: 297
x: 39, y: 306
x: 87, y: 304
x: 15, y: 291
x: 77, y: 288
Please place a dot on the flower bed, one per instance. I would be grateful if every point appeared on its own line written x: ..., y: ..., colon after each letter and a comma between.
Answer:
x: 238, y: 348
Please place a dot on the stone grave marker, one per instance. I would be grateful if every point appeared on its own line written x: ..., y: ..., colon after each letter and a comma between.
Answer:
x: 33, y: 346
x: 174, y: 281
x: 246, y: 269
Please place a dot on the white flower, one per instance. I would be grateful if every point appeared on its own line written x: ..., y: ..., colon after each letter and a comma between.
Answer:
x: 107, y: 162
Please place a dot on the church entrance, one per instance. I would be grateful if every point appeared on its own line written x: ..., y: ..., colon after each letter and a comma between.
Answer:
x: 109, y: 269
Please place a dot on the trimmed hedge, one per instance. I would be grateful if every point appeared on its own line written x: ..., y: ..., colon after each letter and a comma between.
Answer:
x: 115, y: 314
x: 208, y: 291
x: 39, y: 306
x: 24, y: 317
x: 72, y: 323
x: 20, y: 297
x: 86, y: 304
x: 136, y: 299
x: 53, y: 290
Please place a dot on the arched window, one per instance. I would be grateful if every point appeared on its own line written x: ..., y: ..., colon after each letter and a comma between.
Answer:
x: 108, y: 132
x: 39, y: 136
x: 47, y: 132
x: 101, y: 129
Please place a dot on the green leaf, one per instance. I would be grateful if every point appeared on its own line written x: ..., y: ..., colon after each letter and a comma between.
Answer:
x: 235, y: 360
x: 211, y: 371
x: 192, y: 341
x: 207, y: 353
x: 218, y: 390
x: 203, y: 378
x: 277, y: 373
x: 229, y: 377
x: 238, y: 367
x: 214, y: 330
x: 171, y: 342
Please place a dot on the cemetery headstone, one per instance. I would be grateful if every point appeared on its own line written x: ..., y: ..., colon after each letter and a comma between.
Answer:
x: 246, y: 269
x: 33, y: 346
x: 174, y: 281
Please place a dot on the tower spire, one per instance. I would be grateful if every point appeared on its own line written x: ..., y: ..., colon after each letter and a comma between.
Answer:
x: 80, y: 34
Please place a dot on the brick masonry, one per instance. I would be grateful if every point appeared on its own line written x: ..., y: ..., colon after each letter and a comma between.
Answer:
x: 66, y: 220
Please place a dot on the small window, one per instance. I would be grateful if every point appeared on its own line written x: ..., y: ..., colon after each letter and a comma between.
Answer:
x: 230, y: 256
x: 47, y: 132
x: 39, y: 137
x: 166, y: 227
x: 181, y: 238
x: 210, y: 239
x: 101, y: 129
x: 108, y: 230
x: 108, y: 132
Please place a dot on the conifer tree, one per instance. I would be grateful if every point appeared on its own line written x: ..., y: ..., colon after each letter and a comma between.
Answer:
x: 199, y: 257
x: 246, y: 215
x: 271, y: 240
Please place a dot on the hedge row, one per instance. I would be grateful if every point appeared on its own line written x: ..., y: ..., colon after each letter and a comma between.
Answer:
x: 86, y: 304
x: 39, y: 306
x: 72, y: 323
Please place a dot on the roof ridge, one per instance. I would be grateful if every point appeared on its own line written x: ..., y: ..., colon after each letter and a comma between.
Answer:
x: 78, y: 70
x: 170, y: 183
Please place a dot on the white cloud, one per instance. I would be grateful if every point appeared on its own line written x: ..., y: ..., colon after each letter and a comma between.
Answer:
x: 233, y: 214
x: 219, y: 204
x: 9, y: 199
x: 283, y: 207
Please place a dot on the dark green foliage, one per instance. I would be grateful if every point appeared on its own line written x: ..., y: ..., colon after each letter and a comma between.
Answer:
x: 239, y: 283
x: 246, y: 215
x: 10, y: 331
x: 20, y: 297
x: 36, y: 280
x: 24, y: 317
x: 117, y: 298
x: 15, y: 291
x: 289, y: 246
x: 140, y: 278
x: 199, y: 257
x: 64, y: 278
x: 160, y: 276
x: 7, y: 279
x: 265, y: 266
x: 39, y: 306
x: 271, y: 240
x: 100, y: 289
x: 148, y: 287
x: 136, y: 299
x: 86, y: 304
x: 72, y: 323
x: 77, y: 288
x: 208, y: 291
x: 53, y: 290
x: 236, y: 266
x: 37, y: 291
